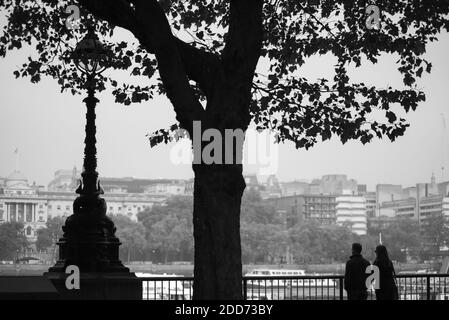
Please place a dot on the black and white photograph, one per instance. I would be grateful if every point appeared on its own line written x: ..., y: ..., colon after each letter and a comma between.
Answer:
x: 224, y: 158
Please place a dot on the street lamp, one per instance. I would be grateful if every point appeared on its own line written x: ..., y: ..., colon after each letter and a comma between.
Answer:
x: 89, y: 240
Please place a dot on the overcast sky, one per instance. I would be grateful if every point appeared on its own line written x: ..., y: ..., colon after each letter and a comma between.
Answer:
x: 47, y: 128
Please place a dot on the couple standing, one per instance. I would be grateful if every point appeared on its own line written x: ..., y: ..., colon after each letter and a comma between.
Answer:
x: 355, y: 275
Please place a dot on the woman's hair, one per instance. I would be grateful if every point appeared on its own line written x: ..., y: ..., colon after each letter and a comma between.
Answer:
x: 382, y: 256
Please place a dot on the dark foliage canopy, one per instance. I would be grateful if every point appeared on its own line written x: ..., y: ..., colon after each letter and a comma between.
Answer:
x: 298, y: 109
x: 12, y: 240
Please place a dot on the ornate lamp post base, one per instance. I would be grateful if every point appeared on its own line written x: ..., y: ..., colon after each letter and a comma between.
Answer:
x: 89, y: 240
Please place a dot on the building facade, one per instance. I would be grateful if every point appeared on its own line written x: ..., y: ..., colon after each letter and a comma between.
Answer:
x: 33, y: 206
x: 418, y: 209
x: 320, y: 208
x: 370, y: 200
x: 289, y: 209
x: 297, y: 208
x: 331, y: 184
x: 351, y: 211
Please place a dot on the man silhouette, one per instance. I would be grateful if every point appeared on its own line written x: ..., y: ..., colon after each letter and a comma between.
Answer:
x: 355, y: 275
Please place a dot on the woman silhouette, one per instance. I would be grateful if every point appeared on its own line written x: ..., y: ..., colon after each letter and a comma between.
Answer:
x: 387, y: 289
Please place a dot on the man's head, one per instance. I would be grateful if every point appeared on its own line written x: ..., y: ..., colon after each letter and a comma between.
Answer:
x: 356, y: 248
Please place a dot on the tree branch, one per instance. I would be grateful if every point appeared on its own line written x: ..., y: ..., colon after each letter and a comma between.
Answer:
x: 117, y: 12
x: 199, y: 65
x: 157, y: 34
x: 244, y: 39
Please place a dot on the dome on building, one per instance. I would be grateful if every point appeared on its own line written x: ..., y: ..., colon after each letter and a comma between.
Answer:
x: 16, y: 178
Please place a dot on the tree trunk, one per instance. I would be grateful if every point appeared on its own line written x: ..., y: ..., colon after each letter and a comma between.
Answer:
x: 216, y: 219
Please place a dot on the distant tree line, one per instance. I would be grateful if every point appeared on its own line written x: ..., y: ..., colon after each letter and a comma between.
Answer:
x: 164, y: 234
x: 12, y: 240
x: 419, y: 241
x: 48, y: 236
x: 161, y: 234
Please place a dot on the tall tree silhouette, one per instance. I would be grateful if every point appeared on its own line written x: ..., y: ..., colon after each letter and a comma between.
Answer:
x: 205, y: 53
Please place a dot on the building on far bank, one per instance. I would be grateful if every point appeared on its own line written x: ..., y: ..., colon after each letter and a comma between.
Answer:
x: 389, y: 196
x: 370, y: 199
x: 298, y: 208
x: 351, y: 211
x: 65, y: 180
x: 19, y: 201
x: 320, y: 208
x: 289, y: 208
x: 325, y: 209
x: 294, y: 188
x: 33, y: 206
x: 337, y: 184
x: 167, y: 188
x: 317, y: 201
x: 270, y: 187
x: 418, y: 209
x: 68, y: 181
x: 331, y: 184
x: 388, y: 193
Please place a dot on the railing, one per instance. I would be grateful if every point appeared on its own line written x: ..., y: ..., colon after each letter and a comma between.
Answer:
x: 325, y: 287
x: 167, y: 288
x: 293, y: 288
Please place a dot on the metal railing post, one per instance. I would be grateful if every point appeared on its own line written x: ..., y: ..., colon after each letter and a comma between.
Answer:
x: 428, y: 287
x: 341, y: 287
x: 245, y: 291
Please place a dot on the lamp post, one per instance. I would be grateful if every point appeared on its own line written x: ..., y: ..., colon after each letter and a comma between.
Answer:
x: 89, y: 240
